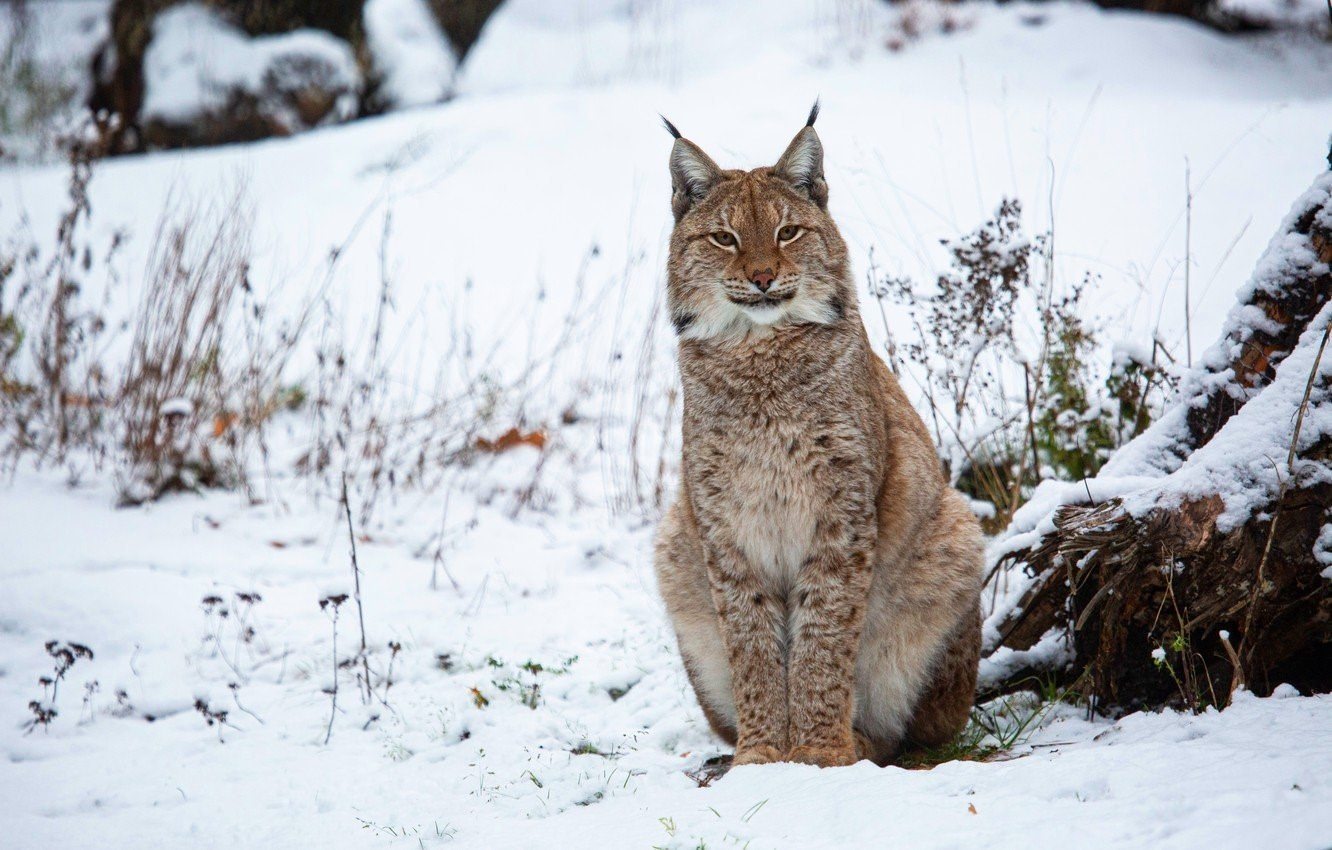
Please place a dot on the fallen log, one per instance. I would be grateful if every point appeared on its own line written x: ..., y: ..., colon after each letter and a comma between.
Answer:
x: 1199, y: 559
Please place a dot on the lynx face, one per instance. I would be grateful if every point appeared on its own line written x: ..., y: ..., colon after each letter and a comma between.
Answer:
x: 753, y: 250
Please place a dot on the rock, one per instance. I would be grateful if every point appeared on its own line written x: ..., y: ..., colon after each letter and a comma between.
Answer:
x: 206, y: 81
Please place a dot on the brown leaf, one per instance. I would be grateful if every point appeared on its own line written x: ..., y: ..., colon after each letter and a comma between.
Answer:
x: 971, y: 807
x: 512, y: 438
x: 222, y: 423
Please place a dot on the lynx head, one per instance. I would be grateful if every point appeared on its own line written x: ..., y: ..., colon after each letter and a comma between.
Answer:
x: 754, y: 250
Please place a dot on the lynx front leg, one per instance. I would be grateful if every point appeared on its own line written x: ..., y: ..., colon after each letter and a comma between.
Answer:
x: 750, y: 623
x: 828, y: 611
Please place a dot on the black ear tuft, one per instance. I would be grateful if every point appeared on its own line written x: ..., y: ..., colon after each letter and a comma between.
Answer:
x: 670, y: 128
x: 813, y: 115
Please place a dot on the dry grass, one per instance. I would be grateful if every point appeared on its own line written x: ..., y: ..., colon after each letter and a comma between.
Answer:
x: 177, y: 396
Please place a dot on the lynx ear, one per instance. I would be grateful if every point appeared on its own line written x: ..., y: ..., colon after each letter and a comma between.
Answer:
x: 802, y: 163
x: 693, y: 173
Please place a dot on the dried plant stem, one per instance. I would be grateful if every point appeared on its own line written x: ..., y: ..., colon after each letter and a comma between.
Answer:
x: 333, y: 712
x: 356, y: 588
x: 1030, y: 397
x: 1188, y: 259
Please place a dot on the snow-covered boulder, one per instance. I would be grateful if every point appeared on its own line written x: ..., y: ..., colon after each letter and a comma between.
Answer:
x: 208, y: 82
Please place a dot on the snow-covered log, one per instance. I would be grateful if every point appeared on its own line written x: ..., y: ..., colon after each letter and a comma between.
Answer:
x: 1200, y: 558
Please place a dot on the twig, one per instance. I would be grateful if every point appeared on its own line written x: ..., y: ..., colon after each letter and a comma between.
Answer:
x: 235, y: 695
x: 1030, y: 398
x: 1188, y: 259
x: 439, y: 561
x: 333, y: 712
x: 1238, y: 680
x: 356, y: 587
x: 336, y: 601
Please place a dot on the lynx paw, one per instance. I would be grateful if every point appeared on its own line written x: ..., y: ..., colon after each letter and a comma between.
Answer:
x: 823, y: 756
x: 761, y: 754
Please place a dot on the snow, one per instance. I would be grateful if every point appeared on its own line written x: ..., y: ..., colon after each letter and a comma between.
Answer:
x: 541, y: 702
x: 57, y: 43
x: 196, y: 61
x: 411, y: 53
x: 1051, y: 652
x: 1323, y: 549
x: 582, y: 769
x: 1127, y: 352
x: 1245, y: 463
x: 177, y: 407
x: 1288, y: 256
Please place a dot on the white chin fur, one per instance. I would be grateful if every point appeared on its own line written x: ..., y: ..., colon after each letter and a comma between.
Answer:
x: 722, y: 319
x: 767, y: 314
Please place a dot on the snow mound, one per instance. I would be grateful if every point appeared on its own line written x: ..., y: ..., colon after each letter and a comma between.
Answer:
x: 412, y: 55
x: 199, y: 66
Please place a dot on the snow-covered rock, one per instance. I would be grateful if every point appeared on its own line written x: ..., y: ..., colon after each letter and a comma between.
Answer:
x: 206, y: 81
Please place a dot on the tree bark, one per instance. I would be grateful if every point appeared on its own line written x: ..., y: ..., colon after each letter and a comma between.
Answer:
x: 1175, y: 602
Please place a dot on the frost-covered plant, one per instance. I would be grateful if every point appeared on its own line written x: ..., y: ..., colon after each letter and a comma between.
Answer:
x: 230, y: 629
x: 52, y: 383
x: 523, y: 680
x: 63, y: 655
x: 1083, y: 417
x: 176, y: 376
x: 329, y: 603
x: 11, y: 335
x: 212, y: 716
x: 1003, y: 416
x: 1139, y: 384
x: 189, y: 404
x: 970, y: 314
x: 1073, y: 429
x: 965, y: 339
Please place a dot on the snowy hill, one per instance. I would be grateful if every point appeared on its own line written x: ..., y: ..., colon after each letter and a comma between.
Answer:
x: 506, y: 252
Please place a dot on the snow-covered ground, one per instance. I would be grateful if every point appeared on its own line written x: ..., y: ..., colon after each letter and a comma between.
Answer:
x: 539, y: 702
x: 458, y: 758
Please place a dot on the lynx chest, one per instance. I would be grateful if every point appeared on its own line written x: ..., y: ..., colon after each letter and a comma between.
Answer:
x: 766, y: 485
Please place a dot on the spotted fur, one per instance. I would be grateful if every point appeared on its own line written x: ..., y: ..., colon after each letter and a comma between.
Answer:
x: 822, y: 578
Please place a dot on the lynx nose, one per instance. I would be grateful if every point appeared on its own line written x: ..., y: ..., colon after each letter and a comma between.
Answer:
x: 762, y: 279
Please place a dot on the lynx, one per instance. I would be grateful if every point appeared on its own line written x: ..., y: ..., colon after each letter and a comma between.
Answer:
x: 822, y: 578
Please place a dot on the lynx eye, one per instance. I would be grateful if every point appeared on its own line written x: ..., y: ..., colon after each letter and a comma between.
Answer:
x: 787, y: 233
x: 723, y: 239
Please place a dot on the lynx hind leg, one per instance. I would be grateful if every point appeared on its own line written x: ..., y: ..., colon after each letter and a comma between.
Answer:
x: 945, y: 705
x: 944, y: 708
x: 917, y: 667
x: 683, y: 581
